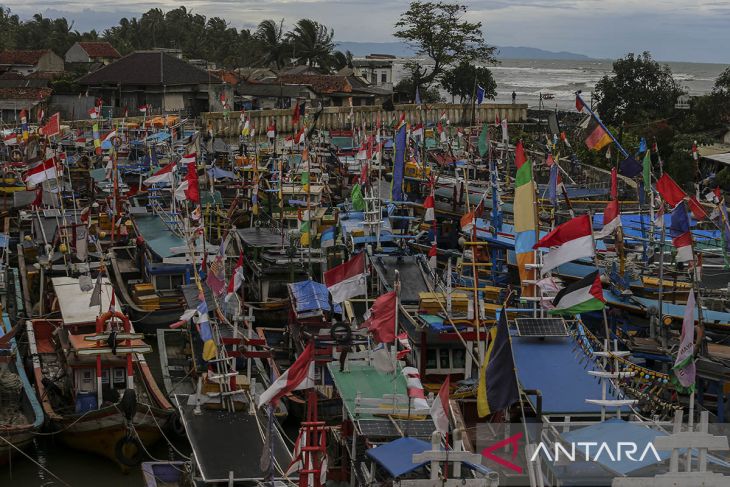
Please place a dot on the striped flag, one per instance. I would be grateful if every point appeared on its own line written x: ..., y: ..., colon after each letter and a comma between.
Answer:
x: 299, y: 376
x: 581, y: 296
x: 346, y: 280
x: 236, y: 279
x: 440, y: 408
x: 684, y: 366
x: 570, y: 241
x: 415, y: 388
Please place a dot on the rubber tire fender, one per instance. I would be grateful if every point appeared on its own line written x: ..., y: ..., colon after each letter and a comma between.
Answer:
x: 135, y: 459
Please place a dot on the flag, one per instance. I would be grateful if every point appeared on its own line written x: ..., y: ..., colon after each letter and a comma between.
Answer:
x: 505, y: 134
x: 381, y: 319
x: 236, y: 280
x: 299, y: 376
x: 328, y: 238
x: 346, y: 280
x: 553, y: 185
x: 143, y: 109
x: 295, y: 114
x: 358, y: 202
x: 414, y: 388
x: 497, y: 389
x: 680, y: 233
x: 271, y: 131
x: 164, y: 175
x: 642, y: 145
x: 97, y: 139
x: 11, y: 139
x: 418, y: 96
x: 630, y: 167
x: 647, y: 169
x: 480, y: 95
x: 579, y: 105
x: 433, y: 256
x: 695, y: 154
x: 659, y: 217
x: 189, y: 158
x: 430, y: 207
x: 581, y: 296
x: 82, y: 236
x: 96, y: 293
x: 41, y: 172
x: 684, y: 365
x: 192, y: 191
x: 572, y: 240
x: 669, y: 190
x: 53, y: 126
x: 467, y: 222
x: 484, y: 140
x: 440, y: 408
x: 405, y: 344
x: 525, y: 224
x: 417, y: 131
x: 305, y: 227
x: 696, y: 208
x: 24, y: 125
x: 246, y: 128
x: 93, y: 113
x: 611, y: 214
x: 210, y: 350
x: 399, y: 162
x: 300, y: 136
x: 598, y: 138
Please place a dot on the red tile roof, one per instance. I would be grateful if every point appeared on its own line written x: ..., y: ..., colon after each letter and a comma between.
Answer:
x: 100, y: 49
x: 227, y: 76
x: 320, y: 83
x: 24, y: 93
x: 29, y: 58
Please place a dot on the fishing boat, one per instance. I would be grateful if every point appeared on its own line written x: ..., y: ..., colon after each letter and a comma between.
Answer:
x: 95, y: 386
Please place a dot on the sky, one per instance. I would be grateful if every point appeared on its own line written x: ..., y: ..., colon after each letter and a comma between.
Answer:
x: 672, y: 30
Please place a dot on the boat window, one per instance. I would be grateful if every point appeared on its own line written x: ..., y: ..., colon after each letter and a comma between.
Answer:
x: 458, y: 357
x: 85, y: 380
x: 444, y: 358
x: 119, y: 377
x: 431, y: 358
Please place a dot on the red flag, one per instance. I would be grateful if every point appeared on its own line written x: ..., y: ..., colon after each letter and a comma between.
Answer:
x: 579, y: 105
x: 614, y: 183
x: 295, y: 114
x: 669, y: 190
x: 53, y: 126
x: 38, y: 201
x: 698, y: 212
x: 381, y: 321
x: 192, y: 192
x: 299, y: 376
x: 440, y: 408
x: 520, y: 157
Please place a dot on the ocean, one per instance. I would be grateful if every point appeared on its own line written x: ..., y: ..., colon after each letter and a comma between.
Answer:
x: 529, y: 78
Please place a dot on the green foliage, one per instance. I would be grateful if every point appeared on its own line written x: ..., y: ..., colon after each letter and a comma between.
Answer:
x: 341, y: 60
x: 460, y: 81
x: 723, y: 178
x: 428, y: 95
x: 640, y: 89
x: 437, y: 30
x: 311, y: 44
x: 271, y: 38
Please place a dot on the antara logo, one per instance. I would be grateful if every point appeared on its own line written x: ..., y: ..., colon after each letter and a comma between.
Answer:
x: 593, y: 450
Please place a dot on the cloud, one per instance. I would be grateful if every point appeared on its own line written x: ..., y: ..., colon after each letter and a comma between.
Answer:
x: 670, y: 29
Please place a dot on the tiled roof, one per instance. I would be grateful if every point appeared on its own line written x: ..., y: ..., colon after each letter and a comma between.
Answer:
x: 100, y: 49
x: 320, y: 83
x: 149, y: 68
x: 29, y: 58
x: 229, y: 77
x: 24, y: 93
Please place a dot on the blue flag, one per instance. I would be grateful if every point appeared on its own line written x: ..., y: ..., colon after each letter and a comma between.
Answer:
x: 642, y: 145
x: 480, y: 95
x: 630, y: 167
x: 553, y: 185
x: 680, y: 221
x: 399, y: 163
x: 418, y: 96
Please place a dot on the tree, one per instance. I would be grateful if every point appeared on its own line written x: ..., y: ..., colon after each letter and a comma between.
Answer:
x: 311, y: 43
x: 461, y: 81
x: 275, y: 47
x: 341, y: 60
x: 639, y: 89
x: 408, y: 86
x: 438, y: 31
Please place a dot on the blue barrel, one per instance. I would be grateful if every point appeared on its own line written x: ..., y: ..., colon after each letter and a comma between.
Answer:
x: 85, y: 401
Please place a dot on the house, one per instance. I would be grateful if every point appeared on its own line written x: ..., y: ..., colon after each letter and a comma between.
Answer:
x: 339, y: 90
x: 27, y: 62
x: 263, y: 96
x: 159, y: 80
x: 92, y: 52
x: 383, y: 70
x: 13, y: 100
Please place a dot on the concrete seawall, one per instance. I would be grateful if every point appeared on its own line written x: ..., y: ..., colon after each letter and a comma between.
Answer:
x: 336, y: 118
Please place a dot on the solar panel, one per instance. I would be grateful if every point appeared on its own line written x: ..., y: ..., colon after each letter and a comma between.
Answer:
x: 541, y: 327
x: 385, y: 429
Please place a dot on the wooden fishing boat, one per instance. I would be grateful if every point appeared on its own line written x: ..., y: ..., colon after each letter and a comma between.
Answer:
x: 20, y: 412
x: 96, y: 388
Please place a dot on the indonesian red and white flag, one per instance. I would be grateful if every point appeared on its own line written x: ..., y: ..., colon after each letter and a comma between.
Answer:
x: 505, y: 133
x: 405, y: 344
x: 188, y: 158
x: 346, y: 280
x: 53, y: 126
x: 430, y: 207
x: 440, y: 408
x: 108, y: 137
x: 41, y: 172
x: 300, y: 136
x: 415, y: 388
x: 297, y: 461
x: 143, y: 109
x: 299, y: 376
x: 271, y: 131
x: 417, y: 130
x: 611, y: 214
x: 432, y: 257
x: 11, y: 139
x: 94, y: 112
x: 236, y: 279
x: 570, y: 241
x: 164, y: 175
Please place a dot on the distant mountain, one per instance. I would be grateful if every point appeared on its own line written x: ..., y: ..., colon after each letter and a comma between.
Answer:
x: 402, y: 49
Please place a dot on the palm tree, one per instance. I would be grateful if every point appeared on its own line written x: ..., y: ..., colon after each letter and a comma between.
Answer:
x: 312, y: 43
x: 341, y: 60
x: 271, y: 36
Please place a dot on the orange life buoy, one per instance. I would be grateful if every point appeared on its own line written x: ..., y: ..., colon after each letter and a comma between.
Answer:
x: 104, y: 317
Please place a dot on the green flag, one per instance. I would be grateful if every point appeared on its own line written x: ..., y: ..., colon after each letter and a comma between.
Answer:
x: 358, y: 203
x: 484, y: 140
x: 647, y: 171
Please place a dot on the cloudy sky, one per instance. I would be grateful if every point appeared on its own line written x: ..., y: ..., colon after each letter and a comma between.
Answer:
x: 673, y: 30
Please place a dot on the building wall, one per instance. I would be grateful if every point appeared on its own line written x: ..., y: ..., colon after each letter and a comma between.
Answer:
x: 76, y: 54
x: 50, y: 62
x: 71, y: 107
x: 333, y: 118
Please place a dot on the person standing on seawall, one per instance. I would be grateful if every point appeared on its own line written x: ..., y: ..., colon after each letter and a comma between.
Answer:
x: 514, y: 97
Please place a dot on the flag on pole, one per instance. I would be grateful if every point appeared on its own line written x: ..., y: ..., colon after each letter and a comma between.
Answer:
x: 299, y: 376
x: 480, y: 95
x: 271, y: 131
x: 346, y: 280
x: 497, y: 389
x: 433, y: 256
x: 358, y: 202
x: 579, y: 105
x: 381, y: 318
x: 680, y: 233
x: 192, y: 191
x: 53, y: 126
x: 418, y: 96
x: 237, y: 278
x: 598, y: 138
x: 611, y: 214
x: 684, y: 366
x: 163, y: 175
x: 41, y: 172
x: 505, y: 134
x: 11, y: 139
x: 581, y: 296
x: 484, y: 140
x: 415, y: 388
x: 429, y: 204
x: 647, y: 170
x: 525, y: 223
x: 570, y: 241
x: 440, y: 408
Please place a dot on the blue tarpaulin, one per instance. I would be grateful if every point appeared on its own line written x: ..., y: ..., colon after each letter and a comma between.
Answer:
x: 218, y: 173
x: 310, y: 296
x: 631, y: 225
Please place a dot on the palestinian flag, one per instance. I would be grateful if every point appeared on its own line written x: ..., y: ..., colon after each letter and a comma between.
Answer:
x: 581, y: 296
x: 598, y: 138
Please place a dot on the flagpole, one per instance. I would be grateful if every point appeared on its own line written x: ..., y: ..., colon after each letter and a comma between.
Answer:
x: 595, y: 261
x: 598, y: 120
x: 397, y: 308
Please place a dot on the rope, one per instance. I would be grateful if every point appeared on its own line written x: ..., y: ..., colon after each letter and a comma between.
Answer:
x: 35, y: 462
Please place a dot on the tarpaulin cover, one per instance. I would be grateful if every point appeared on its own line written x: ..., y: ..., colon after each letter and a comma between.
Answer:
x: 632, y: 227
x: 396, y: 457
x: 310, y: 296
x: 218, y: 173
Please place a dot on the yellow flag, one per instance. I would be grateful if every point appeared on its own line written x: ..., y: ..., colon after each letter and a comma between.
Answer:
x: 482, y: 403
x: 209, y: 350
